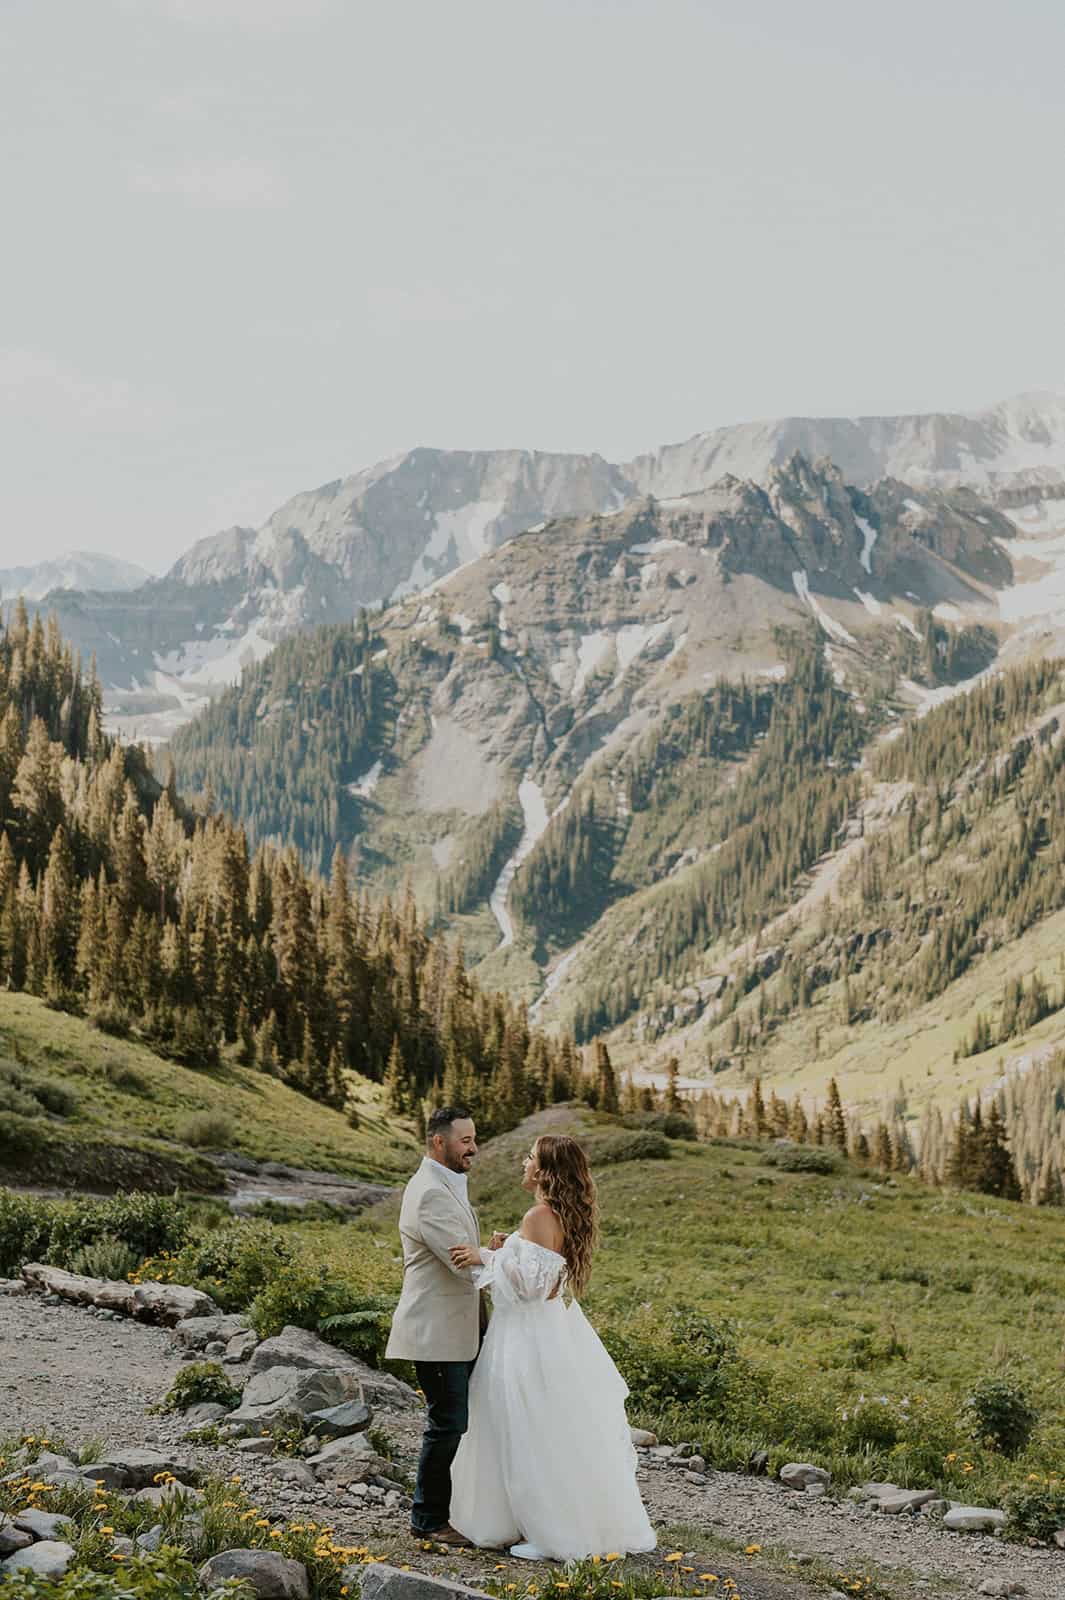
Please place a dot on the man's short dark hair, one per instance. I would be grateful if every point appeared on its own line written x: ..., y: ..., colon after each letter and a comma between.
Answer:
x: 441, y: 1119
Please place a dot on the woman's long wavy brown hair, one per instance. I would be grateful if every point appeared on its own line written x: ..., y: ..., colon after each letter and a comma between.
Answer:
x: 566, y: 1185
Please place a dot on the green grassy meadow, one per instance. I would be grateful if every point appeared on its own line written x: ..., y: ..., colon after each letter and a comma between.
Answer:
x: 127, y: 1098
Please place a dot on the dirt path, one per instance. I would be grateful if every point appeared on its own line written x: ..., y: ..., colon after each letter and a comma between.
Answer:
x: 73, y: 1377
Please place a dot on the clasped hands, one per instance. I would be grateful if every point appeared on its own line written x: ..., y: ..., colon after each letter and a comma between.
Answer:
x: 469, y: 1255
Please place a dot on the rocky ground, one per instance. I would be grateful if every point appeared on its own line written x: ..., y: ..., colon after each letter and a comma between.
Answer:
x: 74, y: 1375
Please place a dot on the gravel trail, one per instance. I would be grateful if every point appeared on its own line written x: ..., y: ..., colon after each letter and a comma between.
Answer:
x: 74, y: 1376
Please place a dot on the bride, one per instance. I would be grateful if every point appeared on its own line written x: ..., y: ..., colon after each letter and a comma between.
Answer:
x: 547, y: 1466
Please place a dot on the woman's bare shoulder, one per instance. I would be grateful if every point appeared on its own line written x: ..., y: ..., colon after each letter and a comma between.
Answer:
x: 541, y: 1226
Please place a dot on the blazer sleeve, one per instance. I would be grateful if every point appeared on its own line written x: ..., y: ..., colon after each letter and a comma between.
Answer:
x: 440, y: 1229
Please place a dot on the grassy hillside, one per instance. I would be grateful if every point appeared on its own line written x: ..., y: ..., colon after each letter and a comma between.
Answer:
x: 862, y: 1311
x: 132, y: 1117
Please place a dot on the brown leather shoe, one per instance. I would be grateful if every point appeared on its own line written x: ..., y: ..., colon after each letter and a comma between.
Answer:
x: 445, y: 1535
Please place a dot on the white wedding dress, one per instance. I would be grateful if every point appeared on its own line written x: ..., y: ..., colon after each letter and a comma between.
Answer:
x: 547, y: 1458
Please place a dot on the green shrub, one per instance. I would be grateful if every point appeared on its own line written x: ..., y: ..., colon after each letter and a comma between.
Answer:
x: 999, y: 1414
x: 674, y: 1124
x: 147, y: 1224
x: 1035, y: 1509
x: 111, y: 1018
x: 106, y: 1257
x: 25, y: 1224
x: 363, y: 1329
x: 682, y: 1359
x: 200, y: 1381
x: 234, y: 1262
x: 54, y: 1097
x: 206, y: 1130
x: 610, y: 1149
x: 803, y: 1158
x: 18, y: 1101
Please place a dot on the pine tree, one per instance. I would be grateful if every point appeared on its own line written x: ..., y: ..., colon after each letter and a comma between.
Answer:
x: 605, y: 1082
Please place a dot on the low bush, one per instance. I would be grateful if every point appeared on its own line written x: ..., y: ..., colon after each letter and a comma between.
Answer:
x: 674, y: 1124
x: 25, y: 1094
x: 146, y: 1223
x: 999, y: 1415
x: 607, y: 1150
x: 106, y: 1257
x: 206, y: 1130
x: 233, y: 1263
x: 1035, y: 1509
x: 803, y: 1158
x: 200, y: 1381
x: 25, y: 1225
x: 683, y: 1359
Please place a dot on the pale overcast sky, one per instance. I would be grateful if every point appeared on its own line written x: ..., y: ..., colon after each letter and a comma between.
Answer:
x: 253, y: 245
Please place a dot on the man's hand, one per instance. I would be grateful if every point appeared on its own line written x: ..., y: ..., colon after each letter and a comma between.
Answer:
x: 497, y: 1241
x: 465, y: 1255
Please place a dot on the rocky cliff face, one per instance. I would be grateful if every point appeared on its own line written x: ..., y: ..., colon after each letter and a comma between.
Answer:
x: 398, y: 527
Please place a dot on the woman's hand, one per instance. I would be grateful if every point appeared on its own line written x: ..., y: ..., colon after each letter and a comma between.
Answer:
x: 465, y: 1255
x: 497, y: 1241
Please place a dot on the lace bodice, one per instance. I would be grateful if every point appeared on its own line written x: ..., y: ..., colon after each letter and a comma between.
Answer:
x: 521, y: 1271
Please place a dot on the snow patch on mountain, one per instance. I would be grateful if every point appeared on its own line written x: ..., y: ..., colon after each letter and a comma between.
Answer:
x: 834, y: 629
x: 869, y: 534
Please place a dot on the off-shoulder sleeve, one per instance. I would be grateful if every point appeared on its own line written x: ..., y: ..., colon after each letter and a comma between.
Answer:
x: 520, y: 1271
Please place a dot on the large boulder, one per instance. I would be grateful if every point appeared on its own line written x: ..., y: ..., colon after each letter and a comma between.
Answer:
x: 48, y: 1558
x: 382, y: 1582
x: 289, y: 1395
x: 168, y: 1303
x: 196, y: 1333
x: 295, y: 1347
x: 272, y: 1576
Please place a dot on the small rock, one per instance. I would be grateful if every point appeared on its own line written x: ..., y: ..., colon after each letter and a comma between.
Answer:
x: 352, y: 1416
x: 204, y: 1411
x: 195, y: 1333
x: 662, y: 1452
x: 1059, y: 1538
x: 905, y: 1500
x: 260, y: 1446
x: 50, y: 1558
x: 816, y: 1490
x: 935, y: 1508
x: 759, y: 1462
x: 48, y: 1463
x: 13, y: 1286
x: 974, y: 1519
x: 339, y: 1453
x: 272, y: 1576
x: 381, y: 1582
x: 105, y: 1474
x: 642, y: 1438
x: 696, y: 1464
x: 141, y: 1467
x: 43, y: 1524
x: 1001, y: 1588
x: 121, y: 1546
x: 152, y: 1540
x: 241, y: 1346
x: 800, y: 1474
x: 695, y: 1477
x: 12, y: 1538
x: 214, y: 1350
x: 159, y: 1494
x: 294, y: 1472
x: 374, y: 1491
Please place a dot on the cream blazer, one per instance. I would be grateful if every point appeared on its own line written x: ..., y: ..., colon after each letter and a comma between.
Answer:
x: 438, y: 1316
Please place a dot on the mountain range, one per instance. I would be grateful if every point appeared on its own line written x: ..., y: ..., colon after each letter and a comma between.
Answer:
x: 77, y: 569
x: 166, y: 647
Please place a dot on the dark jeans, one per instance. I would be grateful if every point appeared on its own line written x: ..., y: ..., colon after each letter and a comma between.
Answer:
x: 446, y: 1386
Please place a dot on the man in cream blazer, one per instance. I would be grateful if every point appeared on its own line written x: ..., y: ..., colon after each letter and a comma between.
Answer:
x: 437, y: 1323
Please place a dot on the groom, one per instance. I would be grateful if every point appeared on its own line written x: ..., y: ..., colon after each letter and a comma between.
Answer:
x: 438, y: 1321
